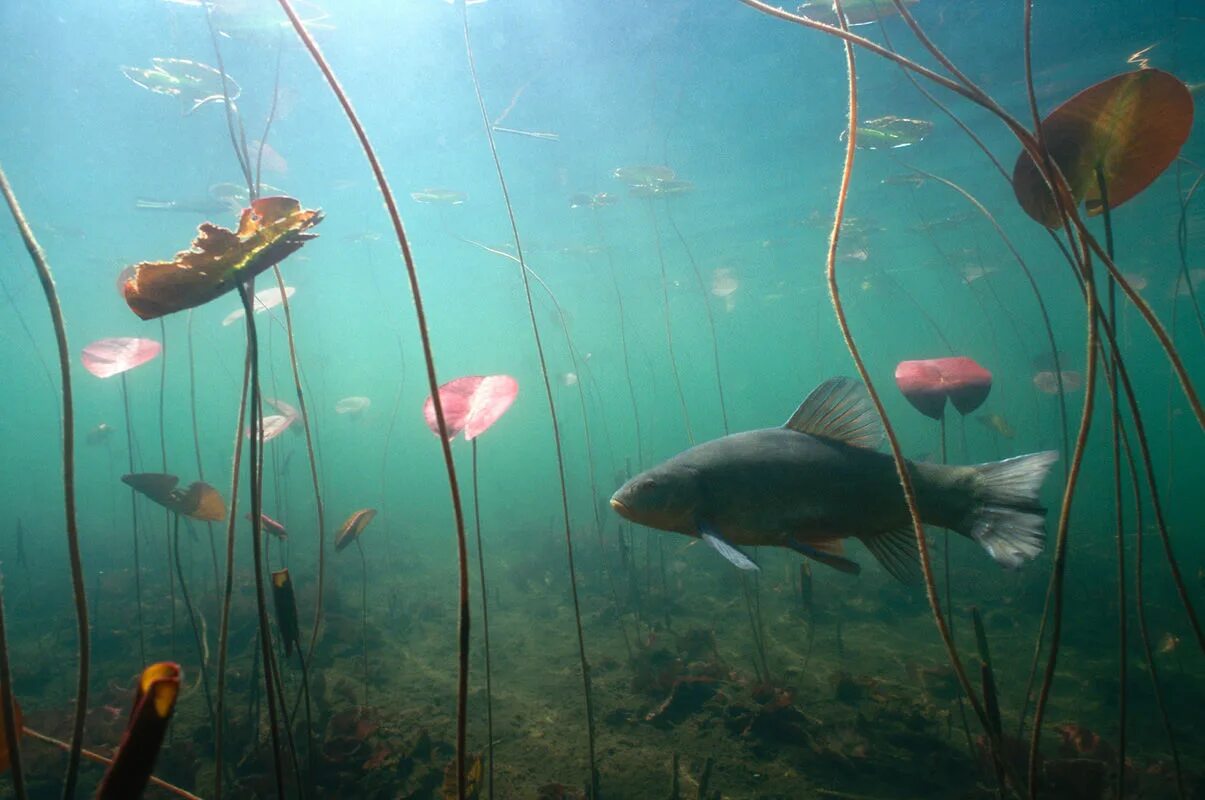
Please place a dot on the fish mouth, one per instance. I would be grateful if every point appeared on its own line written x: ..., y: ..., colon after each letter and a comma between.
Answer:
x: 620, y: 508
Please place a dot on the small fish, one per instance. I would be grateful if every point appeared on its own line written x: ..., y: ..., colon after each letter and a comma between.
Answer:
x: 643, y: 174
x: 442, y: 196
x: 998, y: 423
x: 100, y: 433
x: 818, y: 480
x: 354, y: 405
x: 1047, y: 382
x: 569, y: 379
x: 973, y: 272
x: 1168, y: 644
x: 906, y: 179
x: 270, y: 525
x: 724, y: 283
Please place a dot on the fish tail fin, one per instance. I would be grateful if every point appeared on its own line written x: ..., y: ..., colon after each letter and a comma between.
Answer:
x: 1008, y: 519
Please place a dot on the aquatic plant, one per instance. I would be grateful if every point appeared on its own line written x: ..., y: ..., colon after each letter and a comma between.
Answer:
x: 46, y: 279
x: 474, y: 403
x: 154, y: 704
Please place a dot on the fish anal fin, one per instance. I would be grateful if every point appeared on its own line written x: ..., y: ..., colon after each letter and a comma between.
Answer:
x: 833, y: 546
x: 896, y: 551
x: 839, y: 409
x: 830, y: 559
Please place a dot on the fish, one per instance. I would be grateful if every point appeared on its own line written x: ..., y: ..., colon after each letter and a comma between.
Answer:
x: 1168, y: 644
x: 446, y: 196
x: 100, y: 433
x: 270, y: 525
x: 998, y: 423
x: 819, y: 480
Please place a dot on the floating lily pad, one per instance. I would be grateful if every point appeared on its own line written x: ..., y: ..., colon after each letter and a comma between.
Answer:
x: 927, y: 383
x: 105, y: 358
x: 269, y: 231
x: 353, y: 526
x: 1130, y: 127
x: 198, y: 501
x: 472, y: 404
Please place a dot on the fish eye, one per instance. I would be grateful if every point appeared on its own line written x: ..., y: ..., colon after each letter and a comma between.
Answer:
x: 648, y: 484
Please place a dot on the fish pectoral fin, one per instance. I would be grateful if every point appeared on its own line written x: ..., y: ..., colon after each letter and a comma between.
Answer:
x: 896, y: 551
x: 729, y: 552
x: 839, y: 409
x: 822, y: 555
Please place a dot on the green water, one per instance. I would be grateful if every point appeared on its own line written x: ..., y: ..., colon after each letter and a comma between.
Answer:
x: 850, y: 694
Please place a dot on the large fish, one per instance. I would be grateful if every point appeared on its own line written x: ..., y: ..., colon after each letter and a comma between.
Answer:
x: 818, y: 480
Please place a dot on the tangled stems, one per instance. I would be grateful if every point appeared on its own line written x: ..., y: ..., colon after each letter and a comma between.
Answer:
x: 1030, y: 144
x: 429, y: 357
x: 73, y: 551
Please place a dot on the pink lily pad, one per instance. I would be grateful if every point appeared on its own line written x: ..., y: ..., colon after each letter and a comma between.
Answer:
x: 472, y: 404
x: 105, y: 358
x: 928, y: 382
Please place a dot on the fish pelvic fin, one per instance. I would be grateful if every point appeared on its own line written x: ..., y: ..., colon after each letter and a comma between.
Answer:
x: 1008, y: 520
x: 839, y: 409
x: 896, y: 551
x: 827, y: 554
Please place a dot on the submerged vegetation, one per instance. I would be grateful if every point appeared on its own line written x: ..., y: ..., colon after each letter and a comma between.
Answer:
x: 597, y: 652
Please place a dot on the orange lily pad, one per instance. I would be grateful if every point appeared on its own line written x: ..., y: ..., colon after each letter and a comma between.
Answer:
x: 269, y: 231
x: 353, y: 526
x: 1130, y: 127
x: 5, y: 753
x: 198, y: 501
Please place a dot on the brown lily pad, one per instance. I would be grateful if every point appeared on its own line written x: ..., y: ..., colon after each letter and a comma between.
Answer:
x: 199, y: 501
x: 269, y: 231
x: 353, y: 526
x: 1130, y: 127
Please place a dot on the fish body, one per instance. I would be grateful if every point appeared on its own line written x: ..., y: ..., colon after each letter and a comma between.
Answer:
x: 817, y: 480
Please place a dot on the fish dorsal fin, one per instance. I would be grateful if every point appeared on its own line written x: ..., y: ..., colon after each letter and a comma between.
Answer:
x: 839, y: 409
x: 896, y: 551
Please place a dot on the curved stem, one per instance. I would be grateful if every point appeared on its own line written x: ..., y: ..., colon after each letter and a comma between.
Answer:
x: 428, y: 355
x: 364, y: 615
x: 99, y: 759
x: 192, y: 618
x: 73, y: 551
x: 902, y: 472
x: 196, y: 444
x: 556, y: 433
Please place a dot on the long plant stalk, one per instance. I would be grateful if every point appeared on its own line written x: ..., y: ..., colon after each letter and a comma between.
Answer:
x: 196, y: 444
x: 46, y: 278
x: 902, y: 471
x: 192, y: 618
x: 228, y: 584
x: 432, y: 380
x: 99, y: 759
x: 8, y: 707
x: 485, y: 628
x: 125, y: 404
x: 363, y: 615
x: 556, y: 433
x: 253, y: 460
x: 669, y: 326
